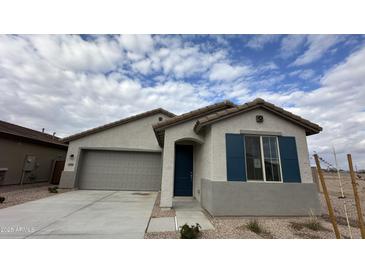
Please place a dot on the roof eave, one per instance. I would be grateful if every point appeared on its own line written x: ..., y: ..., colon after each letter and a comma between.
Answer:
x: 310, y: 127
x: 210, y: 109
x: 117, y: 123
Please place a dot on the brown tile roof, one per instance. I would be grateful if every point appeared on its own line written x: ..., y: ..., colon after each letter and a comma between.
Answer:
x: 310, y: 127
x: 117, y: 123
x: 29, y: 134
x: 160, y: 127
x: 193, y: 114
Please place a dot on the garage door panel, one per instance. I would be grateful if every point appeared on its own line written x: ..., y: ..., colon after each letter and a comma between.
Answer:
x: 116, y: 170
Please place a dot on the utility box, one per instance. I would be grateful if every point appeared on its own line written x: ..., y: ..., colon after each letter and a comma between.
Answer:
x: 3, y: 171
x: 29, y: 163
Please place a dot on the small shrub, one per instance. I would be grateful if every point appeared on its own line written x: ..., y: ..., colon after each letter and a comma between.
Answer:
x: 2, y: 199
x: 254, y: 226
x: 313, y: 225
x: 53, y: 189
x: 313, y: 222
x: 190, y: 232
x: 296, y: 226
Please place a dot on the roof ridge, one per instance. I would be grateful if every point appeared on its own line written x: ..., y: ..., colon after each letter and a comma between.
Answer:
x: 118, y: 122
x: 30, y: 129
x: 208, y: 119
x: 193, y: 113
x: 28, y: 133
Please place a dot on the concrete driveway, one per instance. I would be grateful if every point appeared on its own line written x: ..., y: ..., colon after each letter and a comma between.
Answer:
x: 80, y: 214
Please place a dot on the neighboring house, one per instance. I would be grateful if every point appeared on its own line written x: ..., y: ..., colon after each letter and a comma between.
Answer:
x: 250, y: 159
x: 29, y: 156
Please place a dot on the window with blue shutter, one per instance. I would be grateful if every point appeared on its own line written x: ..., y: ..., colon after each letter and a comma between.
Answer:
x: 235, y: 152
x: 289, y: 159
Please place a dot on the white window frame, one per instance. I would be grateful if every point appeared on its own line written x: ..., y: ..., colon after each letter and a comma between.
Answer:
x: 263, y: 160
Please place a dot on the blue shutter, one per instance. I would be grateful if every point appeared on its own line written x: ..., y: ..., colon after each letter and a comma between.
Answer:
x: 289, y: 159
x: 235, y: 152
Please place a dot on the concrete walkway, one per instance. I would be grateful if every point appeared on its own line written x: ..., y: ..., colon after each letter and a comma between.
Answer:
x: 80, y: 214
x: 188, y: 211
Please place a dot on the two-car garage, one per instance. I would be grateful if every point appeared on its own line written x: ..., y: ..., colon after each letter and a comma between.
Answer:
x: 120, y: 170
x: 122, y: 155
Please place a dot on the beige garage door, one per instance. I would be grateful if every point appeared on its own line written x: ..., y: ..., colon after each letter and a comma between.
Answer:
x: 116, y: 170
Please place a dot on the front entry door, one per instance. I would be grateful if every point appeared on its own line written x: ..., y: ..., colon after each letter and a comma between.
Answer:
x: 183, y: 181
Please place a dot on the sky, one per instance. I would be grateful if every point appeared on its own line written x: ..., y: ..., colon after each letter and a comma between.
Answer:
x: 70, y: 83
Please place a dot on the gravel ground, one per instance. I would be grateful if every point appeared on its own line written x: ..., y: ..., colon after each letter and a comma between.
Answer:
x: 157, y: 212
x: 18, y: 194
x: 282, y: 228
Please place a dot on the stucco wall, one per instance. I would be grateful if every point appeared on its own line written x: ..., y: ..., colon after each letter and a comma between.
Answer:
x: 258, y: 199
x: 12, y: 156
x: 136, y: 135
x: 247, y: 121
x: 181, y: 132
x: 202, y: 163
x: 210, y: 148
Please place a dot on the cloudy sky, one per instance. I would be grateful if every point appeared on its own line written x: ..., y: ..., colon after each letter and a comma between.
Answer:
x: 70, y: 83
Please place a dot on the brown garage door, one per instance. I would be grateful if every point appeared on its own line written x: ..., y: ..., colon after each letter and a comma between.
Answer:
x: 120, y: 170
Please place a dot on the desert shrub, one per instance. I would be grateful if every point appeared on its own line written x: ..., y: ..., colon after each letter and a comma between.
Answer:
x: 2, y: 199
x: 53, y: 189
x: 296, y: 226
x: 312, y: 223
x: 190, y: 232
x: 254, y: 226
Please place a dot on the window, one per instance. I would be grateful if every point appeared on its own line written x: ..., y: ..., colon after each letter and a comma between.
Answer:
x: 262, y: 158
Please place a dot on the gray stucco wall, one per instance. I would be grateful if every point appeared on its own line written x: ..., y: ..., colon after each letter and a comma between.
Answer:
x: 136, y: 135
x: 12, y: 156
x: 210, y: 148
x: 67, y: 179
x: 259, y: 199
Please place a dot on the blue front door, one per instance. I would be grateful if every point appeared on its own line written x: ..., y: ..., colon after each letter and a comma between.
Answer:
x: 183, y: 181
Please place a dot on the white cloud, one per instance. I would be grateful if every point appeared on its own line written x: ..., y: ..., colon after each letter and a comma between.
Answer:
x: 305, y: 74
x: 227, y: 72
x: 179, y: 62
x: 138, y: 44
x: 318, y: 45
x: 38, y: 92
x: 258, y: 42
x: 291, y: 44
x: 73, y: 53
x: 60, y: 83
x: 337, y: 106
x: 144, y: 66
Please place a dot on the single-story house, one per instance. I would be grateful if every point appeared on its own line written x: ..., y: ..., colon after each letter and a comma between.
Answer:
x: 249, y: 159
x: 29, y: 156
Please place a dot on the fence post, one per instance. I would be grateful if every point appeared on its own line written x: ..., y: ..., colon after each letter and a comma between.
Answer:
x: 327, y: 198
x: 357, y: 199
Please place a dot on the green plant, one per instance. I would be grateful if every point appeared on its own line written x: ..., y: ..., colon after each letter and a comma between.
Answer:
x: 53, y: 189
x: 313, y: 222
x: 254, y: 226
x: 190, y: 232
x: 2, y: 199
x: 296, y: 226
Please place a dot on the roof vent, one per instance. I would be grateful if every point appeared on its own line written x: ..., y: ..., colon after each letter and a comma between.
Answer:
x: 259, y: 118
